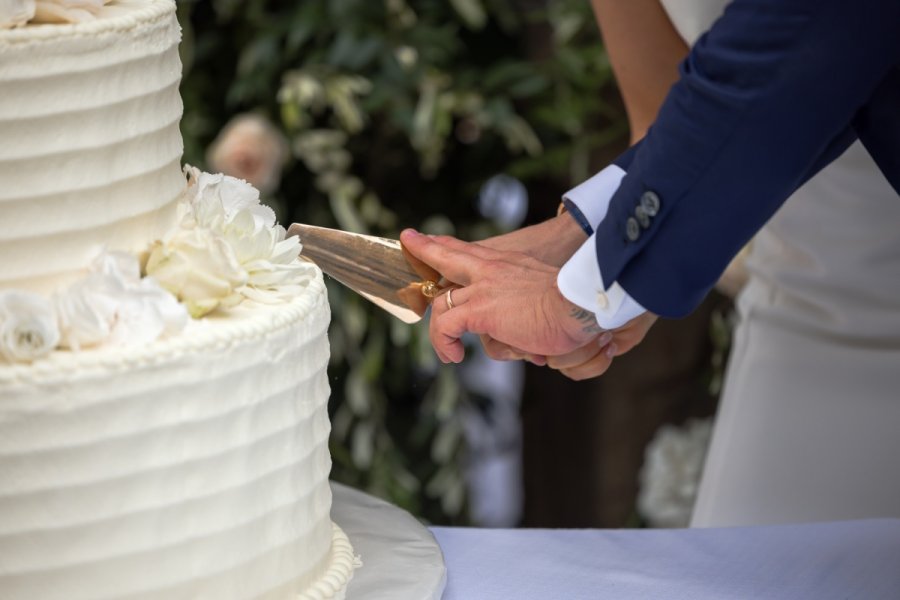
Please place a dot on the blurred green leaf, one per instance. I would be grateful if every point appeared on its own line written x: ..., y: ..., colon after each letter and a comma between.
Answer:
x: 528, y: 86
x: 341, y: 421
x: 471, y: 11
x: 359, y: 395
x: 438, y: 225
x: 362, y: 446
x: 401, y: 333
x: 345, y: 212
x: 304, y: 25
x: 446, y: 393
x: 261, y: 52
x: 355, y: 320
x: 352, y: 52
x: 454, y: 496
x: 445, y: 442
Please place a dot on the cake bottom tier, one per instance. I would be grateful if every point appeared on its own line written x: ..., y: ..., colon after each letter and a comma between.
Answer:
x: 333, y: 584
x: 196, y: 467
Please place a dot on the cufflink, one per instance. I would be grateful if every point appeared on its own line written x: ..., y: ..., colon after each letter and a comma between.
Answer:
x: 602, y: 300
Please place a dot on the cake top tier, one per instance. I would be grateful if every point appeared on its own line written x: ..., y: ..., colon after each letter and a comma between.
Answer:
x: 94, y: 109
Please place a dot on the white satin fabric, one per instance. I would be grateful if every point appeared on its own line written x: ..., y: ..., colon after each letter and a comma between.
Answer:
x: 808, y: 423
x: 819, y: 561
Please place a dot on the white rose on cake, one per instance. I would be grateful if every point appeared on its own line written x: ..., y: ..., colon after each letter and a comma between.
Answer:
x: 217, y: 199
x: 269, y: 258
x: 28, y: 328
x: 199, y: 267
x: 15, y: 13
x: 229, y: 210
x: 227, y: 246
x: 67, y: 11
x: 113, y: 305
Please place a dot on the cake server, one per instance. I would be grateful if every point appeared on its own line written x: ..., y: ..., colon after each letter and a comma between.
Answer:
x: 379, y: 269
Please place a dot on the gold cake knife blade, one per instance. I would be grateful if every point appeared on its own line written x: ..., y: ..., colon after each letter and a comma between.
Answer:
x: 379, y: 269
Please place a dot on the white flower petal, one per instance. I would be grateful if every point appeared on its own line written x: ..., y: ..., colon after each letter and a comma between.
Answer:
x: 16, y: 13
x: 146, y: 314
x: 249, y: 240
x: 28, y: 326
x: 86, y: 312
x: 199, y: 267
x: 67, y: 11
x: 238, y: 195
x: 287, y: 250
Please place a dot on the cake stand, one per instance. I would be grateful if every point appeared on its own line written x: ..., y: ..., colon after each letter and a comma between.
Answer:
x: 400, y: 558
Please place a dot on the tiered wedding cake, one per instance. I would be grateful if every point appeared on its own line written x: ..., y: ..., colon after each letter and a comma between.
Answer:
x: 144, y: 454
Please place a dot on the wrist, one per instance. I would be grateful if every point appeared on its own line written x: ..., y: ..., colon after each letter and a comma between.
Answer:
x: 564, y: 237
x: 579, y: 324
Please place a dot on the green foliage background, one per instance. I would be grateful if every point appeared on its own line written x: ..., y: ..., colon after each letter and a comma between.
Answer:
x: 397, y: 112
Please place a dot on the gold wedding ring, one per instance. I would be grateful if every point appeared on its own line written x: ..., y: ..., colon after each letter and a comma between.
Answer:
x: 449, y: 299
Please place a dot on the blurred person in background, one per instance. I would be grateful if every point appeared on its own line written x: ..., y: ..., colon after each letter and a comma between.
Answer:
x: 807, y: 424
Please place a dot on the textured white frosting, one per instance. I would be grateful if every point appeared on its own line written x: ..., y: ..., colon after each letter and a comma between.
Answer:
x: 193, y: 467
x: 196, y: 467
x: 91, y: 147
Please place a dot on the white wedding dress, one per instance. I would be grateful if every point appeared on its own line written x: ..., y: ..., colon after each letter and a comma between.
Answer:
x: 809, y: 422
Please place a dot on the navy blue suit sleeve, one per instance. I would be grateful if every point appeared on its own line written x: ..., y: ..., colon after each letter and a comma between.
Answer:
x: 878, y: 126
x: 624, y: 160
x: 765, y: 99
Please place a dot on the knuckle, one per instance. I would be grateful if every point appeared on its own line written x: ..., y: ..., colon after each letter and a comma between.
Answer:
x: 491, y: 266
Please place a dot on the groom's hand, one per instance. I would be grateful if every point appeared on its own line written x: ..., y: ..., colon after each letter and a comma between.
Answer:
x: 552, y: 242
x: 509, y: 296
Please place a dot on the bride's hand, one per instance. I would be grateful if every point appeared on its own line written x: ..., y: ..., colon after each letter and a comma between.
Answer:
x: 587, y: 361
x: 595, y: 357
x: 552, y: 242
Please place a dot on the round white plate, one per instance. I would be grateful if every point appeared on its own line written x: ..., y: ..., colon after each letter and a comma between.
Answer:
x: 400, y: 558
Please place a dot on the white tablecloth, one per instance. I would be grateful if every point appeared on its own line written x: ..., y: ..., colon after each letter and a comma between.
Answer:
x: 845, y: 560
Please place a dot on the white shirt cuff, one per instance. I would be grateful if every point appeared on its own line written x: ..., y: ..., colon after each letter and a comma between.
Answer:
x: 592, y: 196
x: 581, y: 282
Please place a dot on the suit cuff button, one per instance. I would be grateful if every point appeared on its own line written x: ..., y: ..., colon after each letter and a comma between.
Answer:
x: 641, y: 215
x: 632, y: 229
x: 650, y: 203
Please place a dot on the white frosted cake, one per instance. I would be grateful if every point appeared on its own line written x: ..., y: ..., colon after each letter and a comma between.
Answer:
x: 145, y: 454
